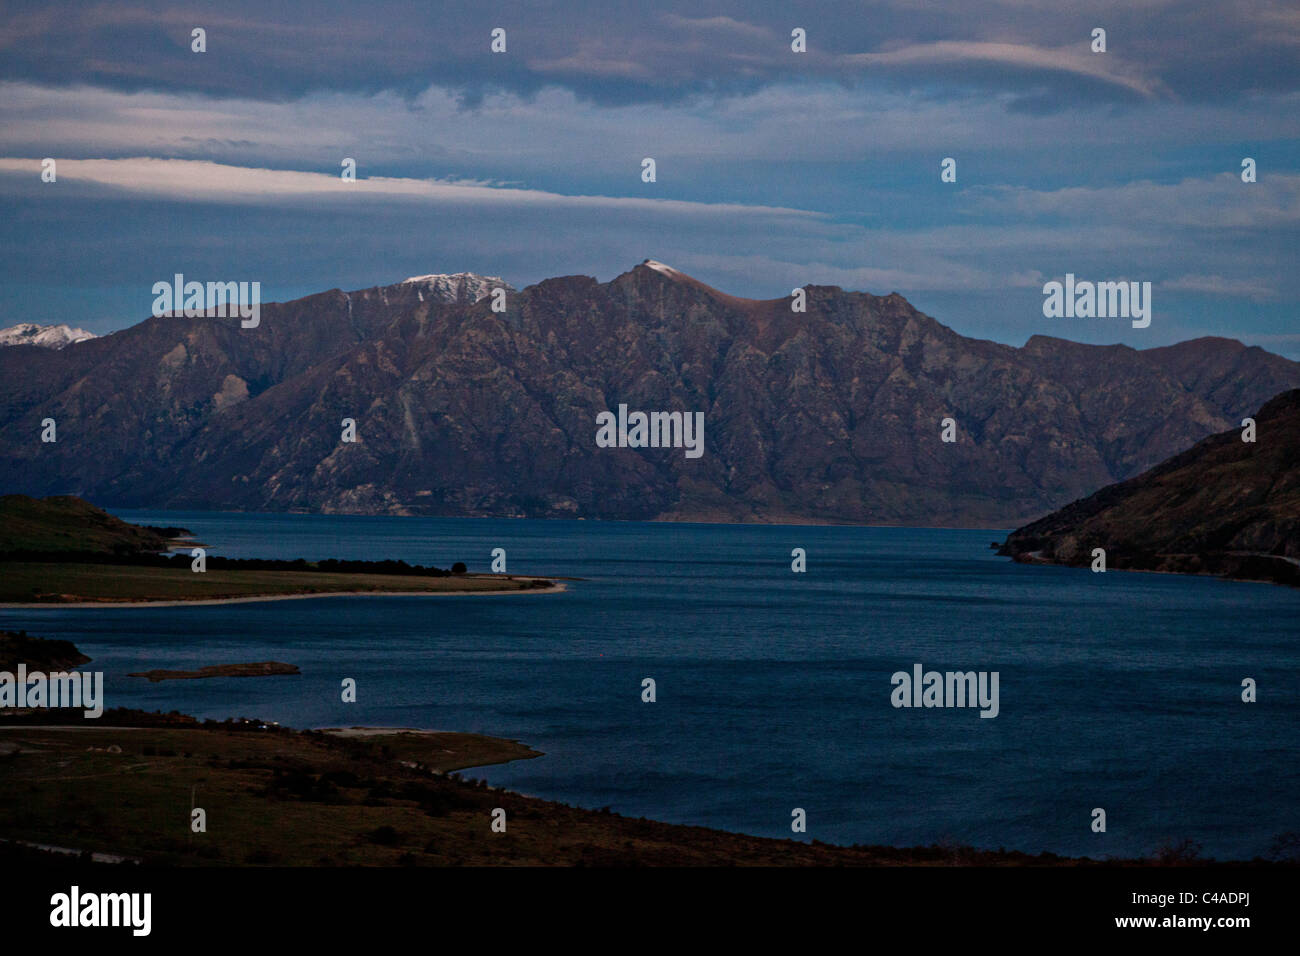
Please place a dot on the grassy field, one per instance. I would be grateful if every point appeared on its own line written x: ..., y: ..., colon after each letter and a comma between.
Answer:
x: 279, y: 797
x: 23, y: 582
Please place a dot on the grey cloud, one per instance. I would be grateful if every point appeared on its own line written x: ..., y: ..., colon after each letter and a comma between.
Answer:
x: 1203, y: 50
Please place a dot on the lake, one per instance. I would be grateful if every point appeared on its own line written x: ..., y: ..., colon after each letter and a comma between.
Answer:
x: 1118, y: 690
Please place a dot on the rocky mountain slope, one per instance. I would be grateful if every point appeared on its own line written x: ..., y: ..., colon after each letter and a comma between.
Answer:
x: 1226, y: 506
x: 833, y: 414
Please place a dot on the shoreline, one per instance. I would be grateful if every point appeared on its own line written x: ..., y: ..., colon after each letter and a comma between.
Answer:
x: 556, y: 588
x: 425, y: 813
x: 706, y: 520
x: 1034, y: 559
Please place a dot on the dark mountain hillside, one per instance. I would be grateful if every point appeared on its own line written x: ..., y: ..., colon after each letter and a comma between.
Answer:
x: 831, y: 415
x: 1225, y: 506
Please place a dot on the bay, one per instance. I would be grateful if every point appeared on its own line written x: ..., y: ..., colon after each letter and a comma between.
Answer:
x: 1117, y: 690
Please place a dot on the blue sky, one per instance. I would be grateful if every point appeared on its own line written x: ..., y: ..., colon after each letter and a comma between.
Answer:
x: 775, y: 169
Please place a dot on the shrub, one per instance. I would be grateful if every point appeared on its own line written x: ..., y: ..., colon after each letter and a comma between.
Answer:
x: 1285, y: 848
x: 1175, y: 854
x: 383, y: 836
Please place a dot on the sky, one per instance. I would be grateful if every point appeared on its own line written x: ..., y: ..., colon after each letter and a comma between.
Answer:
x: 774, y: 168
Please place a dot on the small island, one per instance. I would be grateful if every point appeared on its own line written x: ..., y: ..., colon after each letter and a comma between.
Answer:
x: 258, y: 669
x: 67, y: 552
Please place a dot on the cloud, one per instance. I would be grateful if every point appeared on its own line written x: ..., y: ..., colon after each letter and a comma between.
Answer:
x: 722, y: 25
x: 593, y: 63
x: 668, y: 52
x: 1215, y: 203
x: 1072, y: 59
x: 1256, y: 289
x: 553, y: 135
x: 944, y: 275
x: 202, y: 181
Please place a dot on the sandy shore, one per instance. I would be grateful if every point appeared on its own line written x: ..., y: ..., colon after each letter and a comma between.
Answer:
x: 257, y: 598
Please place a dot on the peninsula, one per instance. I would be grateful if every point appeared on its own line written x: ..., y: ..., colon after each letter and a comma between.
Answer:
x: 1228, y: 506
x: 65, y: 551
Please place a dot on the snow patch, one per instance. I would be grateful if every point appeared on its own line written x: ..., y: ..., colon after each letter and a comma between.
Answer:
x: 46, y: 336
x: 457, y: 286
x: 658, y: 266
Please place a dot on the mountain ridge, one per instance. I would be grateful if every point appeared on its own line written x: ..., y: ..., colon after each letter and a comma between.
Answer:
x: 831, y: 415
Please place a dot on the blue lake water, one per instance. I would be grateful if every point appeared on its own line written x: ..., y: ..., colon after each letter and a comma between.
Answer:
x: 1120, y: 691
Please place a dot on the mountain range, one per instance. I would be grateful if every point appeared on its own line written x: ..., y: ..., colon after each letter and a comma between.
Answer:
x: 828, y: 415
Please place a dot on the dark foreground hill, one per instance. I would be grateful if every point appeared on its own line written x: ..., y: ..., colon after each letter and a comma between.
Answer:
x: 37, y: 653
x: 833, y: 414
x: 68, y: 524
x: 359, y: 798
x: 1226, y: 506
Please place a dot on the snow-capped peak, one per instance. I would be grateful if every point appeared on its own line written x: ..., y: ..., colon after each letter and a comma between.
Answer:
x: 658, y: 266
x: 46, y: 336
x: 458, y: 286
